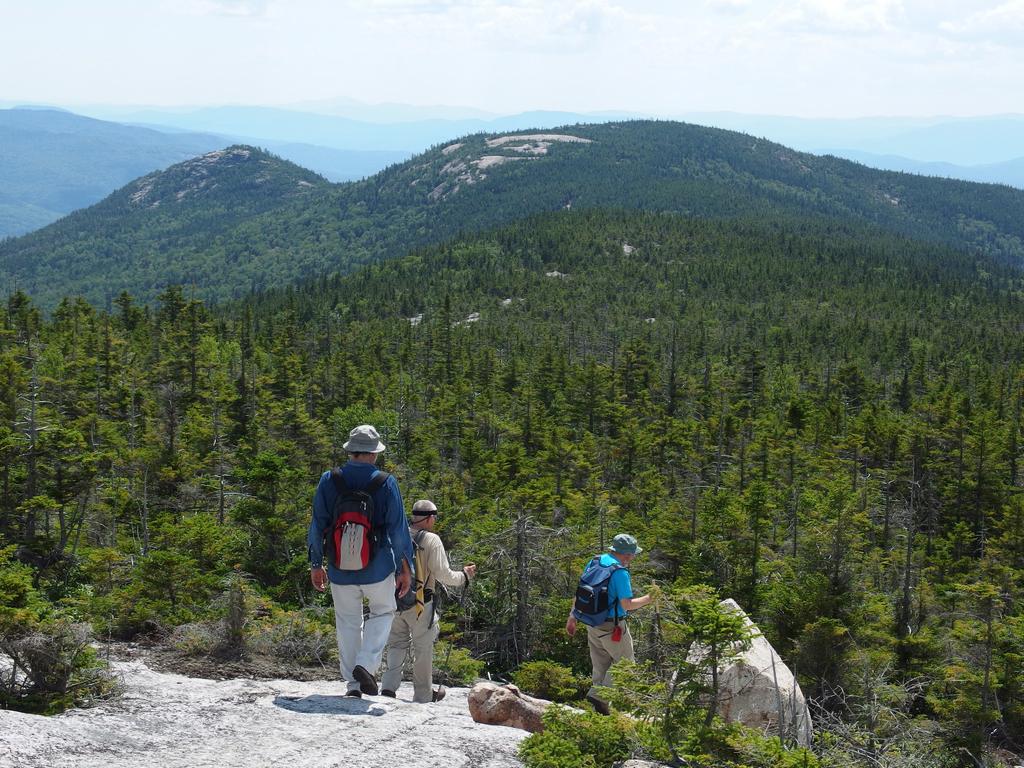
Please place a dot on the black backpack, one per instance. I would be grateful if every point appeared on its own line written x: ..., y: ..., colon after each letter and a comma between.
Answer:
x: 354, y: 535
x: 415, y: 596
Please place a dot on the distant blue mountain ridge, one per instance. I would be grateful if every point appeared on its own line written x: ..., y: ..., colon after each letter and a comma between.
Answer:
x: 53, y: 162
x: 1010, y: 172
x: 340, y: 132
x: 964, y: 141
x: 957, y: 141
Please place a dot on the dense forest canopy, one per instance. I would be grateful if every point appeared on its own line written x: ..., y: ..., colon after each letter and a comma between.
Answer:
x: 243, y: 221
x: 820, y: 419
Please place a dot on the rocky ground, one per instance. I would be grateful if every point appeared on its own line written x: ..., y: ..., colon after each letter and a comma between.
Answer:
x: 172, y: 721
x: 163, y: 657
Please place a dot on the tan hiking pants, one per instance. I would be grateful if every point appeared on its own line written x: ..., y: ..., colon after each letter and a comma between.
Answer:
x: 604, y: 652
x: 419, y: 634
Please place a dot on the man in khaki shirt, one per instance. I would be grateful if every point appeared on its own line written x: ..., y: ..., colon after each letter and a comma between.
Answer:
x: 419, y: 628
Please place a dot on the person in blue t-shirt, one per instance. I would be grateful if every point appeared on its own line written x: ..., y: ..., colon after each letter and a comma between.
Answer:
x: 361, y: 642
x: 609, y: 642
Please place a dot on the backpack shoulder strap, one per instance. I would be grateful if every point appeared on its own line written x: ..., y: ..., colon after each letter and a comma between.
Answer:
x: 417, y: 538
x: 615, y: 565
x: 338, y: 477
x: 377, y: 481
x: 613, y: 569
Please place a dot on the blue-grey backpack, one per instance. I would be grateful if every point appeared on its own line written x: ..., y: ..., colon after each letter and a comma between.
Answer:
x: 592, y: 598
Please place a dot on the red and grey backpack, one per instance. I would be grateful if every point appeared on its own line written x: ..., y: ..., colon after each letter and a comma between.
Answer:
x: 352, y: 539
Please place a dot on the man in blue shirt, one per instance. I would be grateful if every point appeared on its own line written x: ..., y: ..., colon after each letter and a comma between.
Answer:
x: 610, y: 641
x: 361, y: 643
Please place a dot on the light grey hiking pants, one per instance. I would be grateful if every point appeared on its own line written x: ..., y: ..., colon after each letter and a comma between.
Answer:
x: 361, y: 643
x: 419, y: 634
x: 604, y: 652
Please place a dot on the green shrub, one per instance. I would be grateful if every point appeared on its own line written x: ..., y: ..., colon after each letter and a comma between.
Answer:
x: 550, y: 641
x: 546, y: 750
x: 132, y: 616
x: 199, y: 638
x: 758, y: 751
x: 572, y: 739
x: 454, y: 665
x: 52, y: 664
x: 294, y: 636
x: 550, y: 681
x: 53, y: 668
x: 19, y: 600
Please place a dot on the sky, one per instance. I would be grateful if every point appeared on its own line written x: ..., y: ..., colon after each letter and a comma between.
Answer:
x: 809, y: 58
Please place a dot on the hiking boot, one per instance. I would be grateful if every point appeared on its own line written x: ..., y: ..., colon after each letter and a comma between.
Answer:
x: 367, y: 682
x: 354, y: 694
x: 439, y: 693
x: 600, y: 705
x: 386, y: 692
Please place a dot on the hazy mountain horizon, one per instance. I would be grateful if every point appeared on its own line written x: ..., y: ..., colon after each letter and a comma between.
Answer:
x: 350, y: 124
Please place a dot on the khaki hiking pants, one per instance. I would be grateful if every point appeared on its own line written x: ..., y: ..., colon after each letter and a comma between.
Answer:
x: 419, y: 634
x: 604, y: 652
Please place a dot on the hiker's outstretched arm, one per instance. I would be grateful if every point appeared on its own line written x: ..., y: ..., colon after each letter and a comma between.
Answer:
x: 319, y: 522
x: 632, y: 603
x: 437, y: 564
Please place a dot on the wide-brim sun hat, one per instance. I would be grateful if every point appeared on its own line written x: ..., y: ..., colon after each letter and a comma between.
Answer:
x: 364, y: 439
x: 624, y: 544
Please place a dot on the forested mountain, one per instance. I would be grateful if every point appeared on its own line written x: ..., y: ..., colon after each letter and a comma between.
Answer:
x: 52, y: 162
x: 818, y: 418
x: 482, y: 181
x: 128, y: 238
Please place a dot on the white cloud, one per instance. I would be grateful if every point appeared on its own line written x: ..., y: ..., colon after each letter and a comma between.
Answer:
x: 810, y: 57
x: 418, y: 6
x: 588, y: 18
x: 729, y: 6
x: 842, y: 16
x: 231, y: 8
x: 1003, y: 23
x: 545, y: 26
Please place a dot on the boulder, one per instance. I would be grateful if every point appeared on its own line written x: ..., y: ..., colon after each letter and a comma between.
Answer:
x: 758, y: 690
x: 495, y: 704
